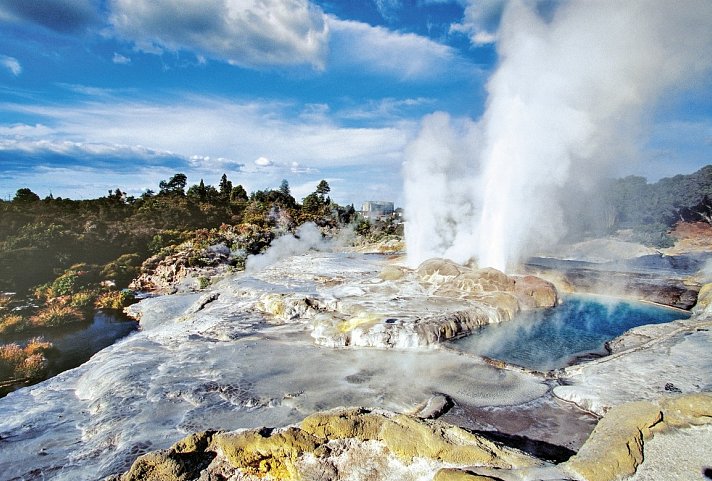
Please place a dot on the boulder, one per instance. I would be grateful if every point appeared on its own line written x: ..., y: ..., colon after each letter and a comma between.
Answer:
x: 484, y: 280
x: 182, y: 462
x: 535, y: 292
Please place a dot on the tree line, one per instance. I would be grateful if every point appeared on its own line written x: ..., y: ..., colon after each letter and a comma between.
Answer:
x: 41, y: 238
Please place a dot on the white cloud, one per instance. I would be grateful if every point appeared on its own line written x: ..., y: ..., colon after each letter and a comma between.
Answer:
x: 251, y: 33
x: 11, y: 64
x: 120, y: 59
x: 263, y: 162
x: 406, y: 56
x: 206, y: 136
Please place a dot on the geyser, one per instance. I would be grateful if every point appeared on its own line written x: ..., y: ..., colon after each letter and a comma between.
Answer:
x: 566, y: 104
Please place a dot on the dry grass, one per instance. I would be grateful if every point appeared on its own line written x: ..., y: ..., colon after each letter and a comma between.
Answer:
x: 57, y: 314
x: 18, y: 363
x: 10, y: 323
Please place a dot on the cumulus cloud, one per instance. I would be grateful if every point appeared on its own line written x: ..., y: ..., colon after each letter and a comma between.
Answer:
x: 406, y: 56
x: 250, y: 33
x: 263, y: 162
x: 11, y: 64
x: 64, y: 16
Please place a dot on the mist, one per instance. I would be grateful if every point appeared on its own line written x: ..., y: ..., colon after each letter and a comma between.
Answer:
x: 571, y: 99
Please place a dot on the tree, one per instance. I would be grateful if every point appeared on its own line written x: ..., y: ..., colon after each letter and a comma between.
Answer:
x: 25, y: 196
x: 238, y: 194
x: 225, y: 188
x: 323, y: 188
x: 284, y: 188
x: 197, y: 192
x: 175, y: 185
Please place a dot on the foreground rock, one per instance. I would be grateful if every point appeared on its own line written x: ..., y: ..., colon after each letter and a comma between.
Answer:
x: 616, y: 447
x: 355, y: 444
x: 362, y: 444
x: 439, y: 300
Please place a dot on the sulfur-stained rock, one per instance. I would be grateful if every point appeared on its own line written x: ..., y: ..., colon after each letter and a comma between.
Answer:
x: 615, y: 447
x: 182, y: 462
x: 688, y: 409
x: 534, y: 292
x: 408, y: 438
x: 704, y: 300
x: 262, y: 452
x: 452, y: 474
x: 342, y: 424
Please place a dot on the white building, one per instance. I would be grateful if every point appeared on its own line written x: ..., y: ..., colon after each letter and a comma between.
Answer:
x: 374, y: 210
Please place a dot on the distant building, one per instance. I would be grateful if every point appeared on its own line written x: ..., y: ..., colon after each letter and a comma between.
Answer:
x: 374, y: 210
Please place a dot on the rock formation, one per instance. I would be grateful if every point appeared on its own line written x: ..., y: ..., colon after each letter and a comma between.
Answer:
x: 325, y: 446
x: 439, y: 300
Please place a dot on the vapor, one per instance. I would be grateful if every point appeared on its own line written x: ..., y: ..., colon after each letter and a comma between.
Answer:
x: 307, y: 237
x: 570, y: 99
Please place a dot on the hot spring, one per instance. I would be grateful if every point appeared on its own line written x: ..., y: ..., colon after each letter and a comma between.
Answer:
x: 554, y: 338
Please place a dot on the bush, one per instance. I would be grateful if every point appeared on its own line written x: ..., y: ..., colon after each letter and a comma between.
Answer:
x: 57, y: 314
x: 123, y: 269
x: 10, y: 323
x: 115, y: 299
x: 83, y: 300
x: 17, y: 363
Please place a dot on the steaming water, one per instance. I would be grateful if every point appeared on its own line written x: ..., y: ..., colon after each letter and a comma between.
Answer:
x: 225, y: 366
x: 552, y: 338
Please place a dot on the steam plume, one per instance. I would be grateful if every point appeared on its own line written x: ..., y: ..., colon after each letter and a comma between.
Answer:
x: 569, y: 98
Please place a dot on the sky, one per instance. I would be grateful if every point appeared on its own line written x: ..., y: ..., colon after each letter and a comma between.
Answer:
x: 105, y: 94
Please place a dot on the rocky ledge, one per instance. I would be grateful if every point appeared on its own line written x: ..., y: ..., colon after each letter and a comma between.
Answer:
x: 439, y: 300
x: 363, y: 444
x: 347, y: 443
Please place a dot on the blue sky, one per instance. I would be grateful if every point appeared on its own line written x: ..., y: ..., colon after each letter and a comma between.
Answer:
x: 100, y: 94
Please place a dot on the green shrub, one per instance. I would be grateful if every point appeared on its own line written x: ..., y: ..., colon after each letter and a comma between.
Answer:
x: 83, y: 299
x: 123, y: 269
x: 203, y: 282
x: 115, y: 299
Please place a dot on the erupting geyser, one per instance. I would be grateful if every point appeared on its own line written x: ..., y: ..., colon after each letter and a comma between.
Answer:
x: 566, y: 104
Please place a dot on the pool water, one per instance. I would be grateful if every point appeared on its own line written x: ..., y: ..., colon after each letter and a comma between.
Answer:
x: 554, y: 338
